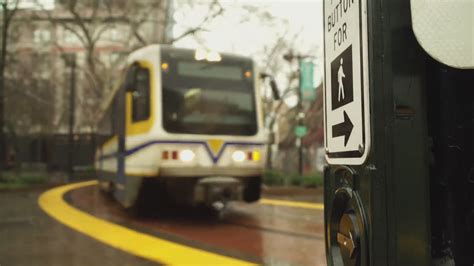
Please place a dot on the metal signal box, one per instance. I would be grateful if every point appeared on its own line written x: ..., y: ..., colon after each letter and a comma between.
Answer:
x: 399, y: 133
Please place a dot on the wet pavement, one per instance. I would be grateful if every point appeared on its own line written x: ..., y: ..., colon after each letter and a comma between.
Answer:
x: 263, y: 234
x: 30, y: 237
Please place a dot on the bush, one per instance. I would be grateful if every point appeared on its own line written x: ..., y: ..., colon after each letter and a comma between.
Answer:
x: 276, y: 178
x: 12, y: 180
x: 33, y: 178
x: 273, y: 178
x: 313, y: 180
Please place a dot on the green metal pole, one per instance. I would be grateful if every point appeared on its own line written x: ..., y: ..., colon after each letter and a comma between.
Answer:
x: 2, y: 85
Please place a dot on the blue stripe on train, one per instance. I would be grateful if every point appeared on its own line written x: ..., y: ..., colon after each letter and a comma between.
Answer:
x: 215, y: 159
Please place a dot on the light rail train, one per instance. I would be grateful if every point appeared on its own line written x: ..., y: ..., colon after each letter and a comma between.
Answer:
x: 184, y: 123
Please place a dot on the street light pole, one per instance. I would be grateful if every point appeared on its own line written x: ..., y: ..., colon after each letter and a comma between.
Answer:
x: 300, y: 142
x: 290, y: 57
x: 3, y: 56
x: 300, y: 121
x: 70, y: 60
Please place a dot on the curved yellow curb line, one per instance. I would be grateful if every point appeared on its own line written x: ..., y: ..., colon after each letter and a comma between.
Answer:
x: 293, y: 204
x: 122, y: 238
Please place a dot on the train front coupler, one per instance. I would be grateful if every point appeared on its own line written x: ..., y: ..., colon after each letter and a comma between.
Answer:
x: 217, y: 191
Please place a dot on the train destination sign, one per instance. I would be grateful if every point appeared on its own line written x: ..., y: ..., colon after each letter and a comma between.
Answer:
x: 346, y: 90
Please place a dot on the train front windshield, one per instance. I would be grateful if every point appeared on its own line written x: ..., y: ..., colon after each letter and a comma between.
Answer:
x: 202, y: 97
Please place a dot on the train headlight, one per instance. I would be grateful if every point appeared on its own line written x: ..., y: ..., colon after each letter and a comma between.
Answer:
x: 200, y: 54
x: 186, y: 155
x: 238, y: 156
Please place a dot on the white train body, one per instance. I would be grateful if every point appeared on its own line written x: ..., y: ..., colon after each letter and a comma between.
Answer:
x: 160, y: 143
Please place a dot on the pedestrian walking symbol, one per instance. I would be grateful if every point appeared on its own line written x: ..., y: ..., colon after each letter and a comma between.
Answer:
x: 342, y: 91
x: 340, y: 75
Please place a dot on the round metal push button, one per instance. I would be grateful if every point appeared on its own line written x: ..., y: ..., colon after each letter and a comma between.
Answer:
x: 348, y: 238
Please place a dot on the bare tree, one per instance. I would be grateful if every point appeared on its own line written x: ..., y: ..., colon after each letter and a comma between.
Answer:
x: 9, y: 9
x: 28, y: 97
x: 132, y: 24
x: 274, y: 63
x: 215, y: 9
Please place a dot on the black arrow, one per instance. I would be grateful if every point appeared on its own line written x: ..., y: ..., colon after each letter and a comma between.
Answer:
x: 343, y: 129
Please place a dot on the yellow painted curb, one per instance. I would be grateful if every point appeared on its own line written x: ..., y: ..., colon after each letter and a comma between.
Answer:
x: 293, y: 204
x: 123, y: 238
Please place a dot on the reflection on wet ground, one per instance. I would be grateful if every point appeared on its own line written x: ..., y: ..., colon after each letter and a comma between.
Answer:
x: 258, y: 233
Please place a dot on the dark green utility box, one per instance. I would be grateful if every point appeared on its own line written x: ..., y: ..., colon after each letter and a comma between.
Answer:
x: 399, y: 132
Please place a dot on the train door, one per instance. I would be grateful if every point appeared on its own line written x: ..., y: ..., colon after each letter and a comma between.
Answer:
x: 137, y: 119
x: 139, y: 102
x: 119, y: 131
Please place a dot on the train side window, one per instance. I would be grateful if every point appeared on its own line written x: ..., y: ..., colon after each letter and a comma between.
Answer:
x: 141, y: 95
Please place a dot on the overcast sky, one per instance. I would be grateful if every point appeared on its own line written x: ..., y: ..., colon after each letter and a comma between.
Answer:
x: 228, y: 34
